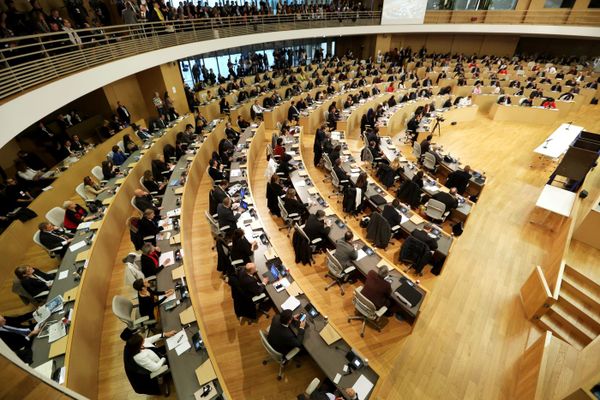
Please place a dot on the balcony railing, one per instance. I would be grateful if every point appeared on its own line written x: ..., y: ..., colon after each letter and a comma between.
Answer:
x: 561, y: 16
x: 27, y: 61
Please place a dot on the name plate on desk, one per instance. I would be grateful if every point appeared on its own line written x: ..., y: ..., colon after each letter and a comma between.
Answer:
x: 205, y: 373
x: 120, y: 181
x: 84, y: 255
x: 178, y: 273
x: 329, y: 334
x: 58, y: 348
x: 416, y: 219
x: 108, y: 201
x: 187, y: 316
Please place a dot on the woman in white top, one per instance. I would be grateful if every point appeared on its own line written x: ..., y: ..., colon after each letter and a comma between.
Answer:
x: 144, y: 353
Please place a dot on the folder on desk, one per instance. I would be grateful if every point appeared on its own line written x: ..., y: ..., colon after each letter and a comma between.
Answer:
x: 249, y: 200
x: 70, y: 295
x: 108, y: 201
x: 95, y: 225
x: 270, y: 253
x: 175, y: 239
x: 313, y: 190
x: 179, y: 190
x: 58, y: 348
x: 187, y: 316
x: 256, y: 225
x: 297, y: 158
x: 205, y: 373
x: 120, y: 181
x: 329, y: 334
x: 293, y: 289
x: 84, y: 255
x: 381, y: 263
x: 328, y: 212
x: 416, y: 219
x: 178, y: 273
x: 302, y: 172
x: 388, y: 198
x: 189, y: 158
x: 131, y: 165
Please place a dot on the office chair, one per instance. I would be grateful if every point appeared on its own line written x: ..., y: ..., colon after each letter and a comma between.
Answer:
x: 127, y: 313
x: 133, y: 270
x: 429, y: 162
x: 80, y: 190
x: 56, y: 216
x: 97, y: 172
x: 26, y: 298
x: 417, y: 151
x: 367, y: 310
x: 288, y: 219
x: 436, y: 210
x: 155, y: 194
x: 51, y: 252
x: 121, y: 145
x: 415, y: 254
x: 312, y: 386
x: 327, y: 165
x: 337, y: 272
x: 313, y: 243
x: 215, y: 229
x: 337, y: 185
x: 135, y: 206
x: 215, y: 182
x: 276, y: 356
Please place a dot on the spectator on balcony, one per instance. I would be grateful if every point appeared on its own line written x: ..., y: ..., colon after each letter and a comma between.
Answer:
x: 158, y: 103
x: 71, y: 33
x: 55, y: 17
x: 170, y: 107
x: 123, y: 113
x: 129, y: 15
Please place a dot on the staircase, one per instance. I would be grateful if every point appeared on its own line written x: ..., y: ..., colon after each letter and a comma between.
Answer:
x: 575, y: 316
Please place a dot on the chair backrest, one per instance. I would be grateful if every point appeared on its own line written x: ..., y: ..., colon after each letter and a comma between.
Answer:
x: 282, y: 210
x: 122, y: 308
x: 214, y: 225
x: 36, y: 240
x: 274, y: 354
x: 435, y: 209
x: 97, y: 172
x: 56, y: 216
x: 367, y: 156
x: 134, y: 205
x: 429, y: 160
x: 142, y: 184
x: 121, y: 145
x: 333, y: 265
x: 334, y: 179
x: 80, y: 190
x: 364, y: 305
x: 133, y: 269
x: 417, y: 150
x: 312, y: 386
x: 327, y: 162
x: 299, y: 229
x: 19, y: 290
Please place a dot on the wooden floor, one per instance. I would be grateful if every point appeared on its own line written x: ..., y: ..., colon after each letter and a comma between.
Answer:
x: 471, y: 332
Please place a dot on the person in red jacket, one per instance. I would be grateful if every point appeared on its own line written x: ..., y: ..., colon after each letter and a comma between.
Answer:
x: 74, y: 215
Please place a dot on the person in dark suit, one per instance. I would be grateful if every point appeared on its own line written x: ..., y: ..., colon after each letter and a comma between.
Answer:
x: 281, y: 337
x: 293, y: 112
x: 143, y: 201
x: 391, y: 214
x: 316, y: 227
x: 18, y: 335
x: 52, y: 237
x: 293, y: 205
x: 345, y: 251
x: 250, y: 284
x: 423, y: 236
x: 274, y: 191
x: 123, y: 113
x: 339, y: 172
x: 459, y: 179
x: 148, y: 298
x: 426, y: 144
x: 216, y: 171
x: 412, y: 126
x: 220, y: 191
x: 33, y: 280
x: 376, y: 288
x: 152, y: 185
x: 449, y: 199
x: 225, y: 215
x: 241, y: 248
x: 232, y: 134
x: 148, y: 227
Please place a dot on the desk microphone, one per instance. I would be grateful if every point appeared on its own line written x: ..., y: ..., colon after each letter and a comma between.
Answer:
x: 568, y: 126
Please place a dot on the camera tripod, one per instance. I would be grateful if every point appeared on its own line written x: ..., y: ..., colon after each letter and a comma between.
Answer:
x: 438, y: 126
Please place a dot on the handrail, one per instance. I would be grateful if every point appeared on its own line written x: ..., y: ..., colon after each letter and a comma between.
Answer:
x: 27, y: 61
x: 515, y: 17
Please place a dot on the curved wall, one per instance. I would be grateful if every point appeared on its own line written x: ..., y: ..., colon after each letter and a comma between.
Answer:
x: 24, y: 110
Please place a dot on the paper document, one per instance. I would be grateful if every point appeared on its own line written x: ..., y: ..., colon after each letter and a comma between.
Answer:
x: 176, y: 339
x: 183, y: 346
x: 187, y: 316
x: 46, y: 368
x: 291, y: 303
x: 163, y: 235
x: 300, y: 183
x: 235, y: 173
x: 168, y: 299
x: 403, y: 219
x: 313, y: 190
x: 63, y: 274
x: 294, y: 289
x: 362, y: 387
x: 47, y: 188
x: 361, y: 254
x: 329, y: 334
x: 77, y: 246
x: 174, y: 213
x: 84, y: 225
x: 169, y: 255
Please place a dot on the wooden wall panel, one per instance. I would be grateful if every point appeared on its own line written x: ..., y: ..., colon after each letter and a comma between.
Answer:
x: 150, y: 81
x: 174, y: 85
x: 468, y: 44
x: 438, y: 43
x: 129, y: 93
x: 499, y: 45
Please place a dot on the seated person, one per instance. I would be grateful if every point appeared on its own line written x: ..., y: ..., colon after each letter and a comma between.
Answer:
x: 18, y: 335
x: 219, y: 192
x: 148, y: 298
x: 16, y: 195
x: 215, y: 170
x: 281, y: 337
x: 274, y: 191
x: 241, y: 248
x: 93, y: 189
x: 316, y: 228
x: 426, y: 144
x: 459, y: 179
x: 148, y: 226
x: 417, y: 179
x: 345, y: 251
x: 377, y: 289
x: 52, y: 237
x: 423, y: 236
x: 74, y: 215
x: 117, y: 156
x: 232, y: 134
x: 293, y: 205
x: 129, y: 144
x: 150, y: 260
x: 152, y: 185
x: 285, y: 167
x: 242, y: 123
x: 279, y: 149
x: 143, y: 133
x: 412, y: 127
x: 226, y: 216
x: 258, y: 110
x: 341, y: 174
x: 160, y: 167
x: 141, y: 353
x: 391, y: 213
x: 109, y: 170
x: 334, y: 155
x: 449, y: 199
x: 31, y: 176
x: 143, y: 201
x: 33, y: 280
x: 249, y: 282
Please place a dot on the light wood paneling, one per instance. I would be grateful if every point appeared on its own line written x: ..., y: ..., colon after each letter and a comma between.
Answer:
x: 128, y: 92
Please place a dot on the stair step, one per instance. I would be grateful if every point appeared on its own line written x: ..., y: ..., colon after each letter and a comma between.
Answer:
x: 549, y: 322
x: 580, y: 310
x: 570, y: 321
x: 593, y: 288
x: 578, y: 294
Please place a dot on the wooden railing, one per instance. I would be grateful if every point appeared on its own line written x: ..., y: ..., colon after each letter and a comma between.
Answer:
x: 533, y: 17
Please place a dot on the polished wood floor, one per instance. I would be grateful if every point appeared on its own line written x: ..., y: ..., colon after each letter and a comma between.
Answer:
x: 472, y: 331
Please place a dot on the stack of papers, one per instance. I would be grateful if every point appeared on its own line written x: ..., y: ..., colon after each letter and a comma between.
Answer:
x: 291, y: 303
x: 361, y: 254
x: 169, y: 255
x: 179, y: 342
x: 174, y: 213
